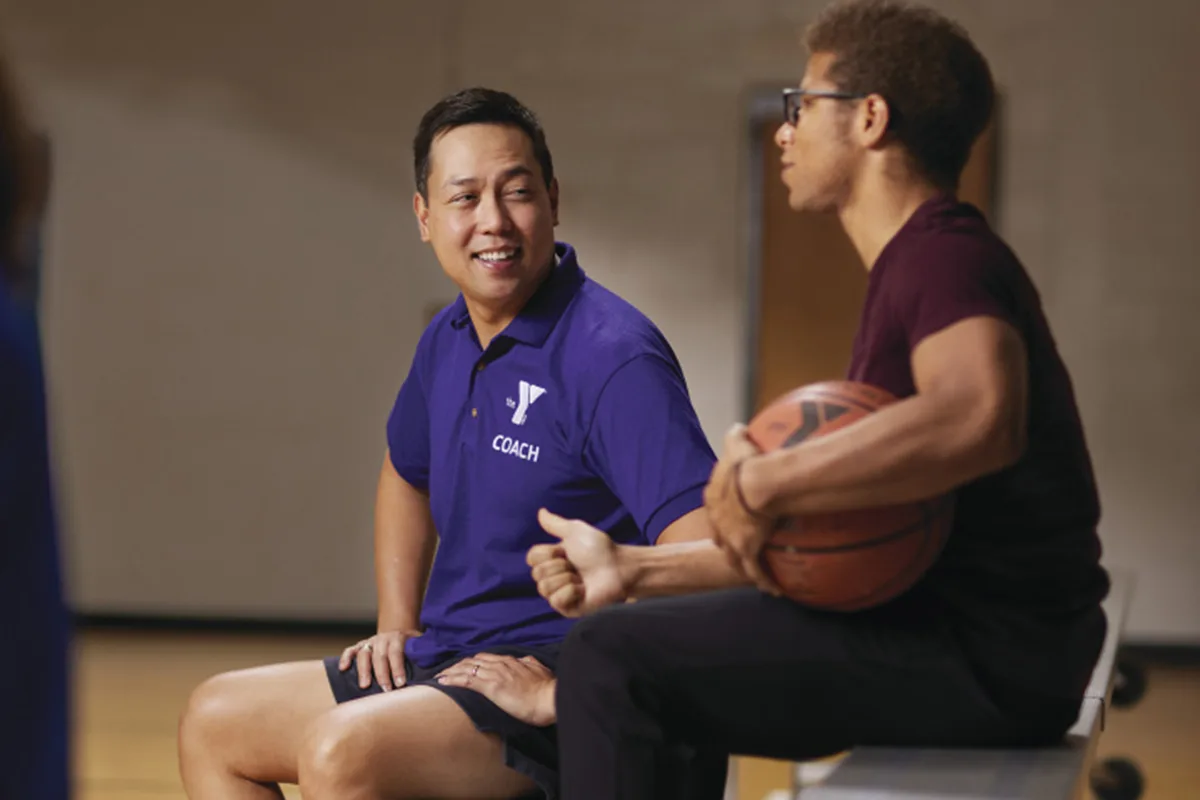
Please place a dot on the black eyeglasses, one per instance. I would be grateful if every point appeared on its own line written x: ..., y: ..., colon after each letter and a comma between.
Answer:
x: 793, y: 100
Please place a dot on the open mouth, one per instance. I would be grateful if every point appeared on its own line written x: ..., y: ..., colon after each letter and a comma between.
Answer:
x: 498, y: 259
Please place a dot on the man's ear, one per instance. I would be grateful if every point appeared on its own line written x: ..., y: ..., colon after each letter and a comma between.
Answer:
x: 874, y: 118
x: 421, y: 210
x: 554, y: 199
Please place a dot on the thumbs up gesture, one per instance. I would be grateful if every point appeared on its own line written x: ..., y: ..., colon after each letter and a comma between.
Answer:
x: 580, y: 573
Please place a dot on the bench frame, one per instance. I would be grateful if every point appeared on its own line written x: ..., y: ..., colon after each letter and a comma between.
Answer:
x: 1051, y: 773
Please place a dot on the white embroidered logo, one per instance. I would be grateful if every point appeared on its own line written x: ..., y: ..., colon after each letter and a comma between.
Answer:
x: 513, y: 447
x: 528, y: 396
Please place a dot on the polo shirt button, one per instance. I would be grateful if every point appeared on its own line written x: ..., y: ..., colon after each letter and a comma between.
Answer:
x: 479, y: 367
x: 474, y: 412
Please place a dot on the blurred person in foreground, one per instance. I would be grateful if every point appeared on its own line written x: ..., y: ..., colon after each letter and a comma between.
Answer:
x: 34, y: 639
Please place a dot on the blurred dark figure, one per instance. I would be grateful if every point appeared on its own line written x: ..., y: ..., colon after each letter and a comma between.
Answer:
x: 34, y: 624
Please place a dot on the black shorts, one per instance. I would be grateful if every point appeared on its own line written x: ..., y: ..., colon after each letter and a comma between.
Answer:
x: 528, y: 749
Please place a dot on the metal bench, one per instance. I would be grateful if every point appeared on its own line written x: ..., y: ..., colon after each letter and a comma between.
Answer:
x: 1052, y: 773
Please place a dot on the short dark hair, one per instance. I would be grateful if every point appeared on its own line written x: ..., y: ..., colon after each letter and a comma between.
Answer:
x: 938, y: 86
x: 477, y: 106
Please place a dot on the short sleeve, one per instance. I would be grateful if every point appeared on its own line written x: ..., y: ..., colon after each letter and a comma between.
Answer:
x: 647, y: 444
x: 949, y: 280
x: 408, y: 431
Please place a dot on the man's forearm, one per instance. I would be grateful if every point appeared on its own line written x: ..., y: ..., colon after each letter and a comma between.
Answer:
x: 400, y: 582
x: 683, y: 568
x: 405, y: 541
x: 912, y: 450
x: 400, y: 593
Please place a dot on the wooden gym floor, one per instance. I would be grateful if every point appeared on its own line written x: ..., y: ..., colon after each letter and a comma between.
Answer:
x: 131, y: 686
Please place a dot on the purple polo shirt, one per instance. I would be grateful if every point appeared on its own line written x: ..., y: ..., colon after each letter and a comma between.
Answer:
x: 579, y: 406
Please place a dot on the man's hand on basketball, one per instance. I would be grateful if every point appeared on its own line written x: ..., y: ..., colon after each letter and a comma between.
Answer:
x: 521, y: 686
x: 737, y: 529
x: 382, y: 655
x: 580, y: 573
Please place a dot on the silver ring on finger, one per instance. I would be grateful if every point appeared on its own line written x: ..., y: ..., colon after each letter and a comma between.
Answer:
x: 367, y: 647
x: 474, y: 670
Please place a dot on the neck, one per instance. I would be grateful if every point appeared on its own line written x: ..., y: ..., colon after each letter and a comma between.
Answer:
x: 877, y: 209
x: 490, y: 319
x: 488, y: 322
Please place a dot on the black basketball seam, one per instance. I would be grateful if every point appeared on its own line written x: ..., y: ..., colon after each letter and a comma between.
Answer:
x: 899, y: 533
x: 822, y: 398
x: 859, y: 404
x: 836, y: 394
x: 929, y: 512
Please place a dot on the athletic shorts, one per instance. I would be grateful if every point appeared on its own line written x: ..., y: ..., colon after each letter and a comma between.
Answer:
x: 528, y: 749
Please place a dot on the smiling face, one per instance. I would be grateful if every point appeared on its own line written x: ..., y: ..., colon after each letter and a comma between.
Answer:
x: 489, y: 216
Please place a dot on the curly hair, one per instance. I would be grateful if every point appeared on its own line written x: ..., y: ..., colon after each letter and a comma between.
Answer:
x: 937, y: 85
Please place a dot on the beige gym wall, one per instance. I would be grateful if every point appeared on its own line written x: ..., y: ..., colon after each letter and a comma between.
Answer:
x: 235, y: 286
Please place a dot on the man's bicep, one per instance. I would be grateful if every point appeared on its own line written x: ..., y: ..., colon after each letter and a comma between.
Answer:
x: 399, y: 504
x: 978, y: 368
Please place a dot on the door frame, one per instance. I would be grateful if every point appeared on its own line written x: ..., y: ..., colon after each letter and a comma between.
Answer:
x: 761, y: 104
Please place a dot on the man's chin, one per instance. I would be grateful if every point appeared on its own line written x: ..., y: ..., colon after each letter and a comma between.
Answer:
x: 798, y: 200
x: 814, y: 205
x: 498, y: 290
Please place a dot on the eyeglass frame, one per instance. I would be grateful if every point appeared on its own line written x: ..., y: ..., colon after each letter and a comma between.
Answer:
x: 791, y: 113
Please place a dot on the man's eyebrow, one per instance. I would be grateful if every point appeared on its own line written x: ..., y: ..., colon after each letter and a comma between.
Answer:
x: 517, y: 171
x: 520, y: 170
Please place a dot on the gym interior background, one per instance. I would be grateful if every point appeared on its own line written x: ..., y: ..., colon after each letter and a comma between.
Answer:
x: 232, y: 286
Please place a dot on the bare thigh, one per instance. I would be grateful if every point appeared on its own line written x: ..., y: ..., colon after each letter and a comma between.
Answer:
x: 252, y: 722
x: 412, y: 743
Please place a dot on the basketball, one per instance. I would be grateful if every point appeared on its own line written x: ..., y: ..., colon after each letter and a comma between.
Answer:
x: 845, y: 560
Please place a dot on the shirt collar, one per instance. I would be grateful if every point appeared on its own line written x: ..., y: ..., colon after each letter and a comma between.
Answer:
x: 539, y: 316
x: 936, y: 206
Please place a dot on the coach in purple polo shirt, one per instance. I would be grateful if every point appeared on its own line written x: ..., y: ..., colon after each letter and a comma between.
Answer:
x: 536, y: 388
x: 579, y: 404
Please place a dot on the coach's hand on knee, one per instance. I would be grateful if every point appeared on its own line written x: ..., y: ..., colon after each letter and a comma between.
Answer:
x: 523, y: 687
x: 382, y: 655
x: 738, y: 530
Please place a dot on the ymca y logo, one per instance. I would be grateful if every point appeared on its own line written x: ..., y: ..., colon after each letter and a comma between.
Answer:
x: 528, y: 396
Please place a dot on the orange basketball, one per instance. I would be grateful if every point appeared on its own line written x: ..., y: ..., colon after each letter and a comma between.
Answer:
x: 845, y: 560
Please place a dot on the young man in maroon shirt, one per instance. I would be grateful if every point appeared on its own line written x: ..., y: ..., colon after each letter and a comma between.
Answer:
x: 996, y: 643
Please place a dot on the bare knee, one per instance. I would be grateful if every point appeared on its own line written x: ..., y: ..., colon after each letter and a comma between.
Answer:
x: 210, y: 714
x: 335, y: 760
